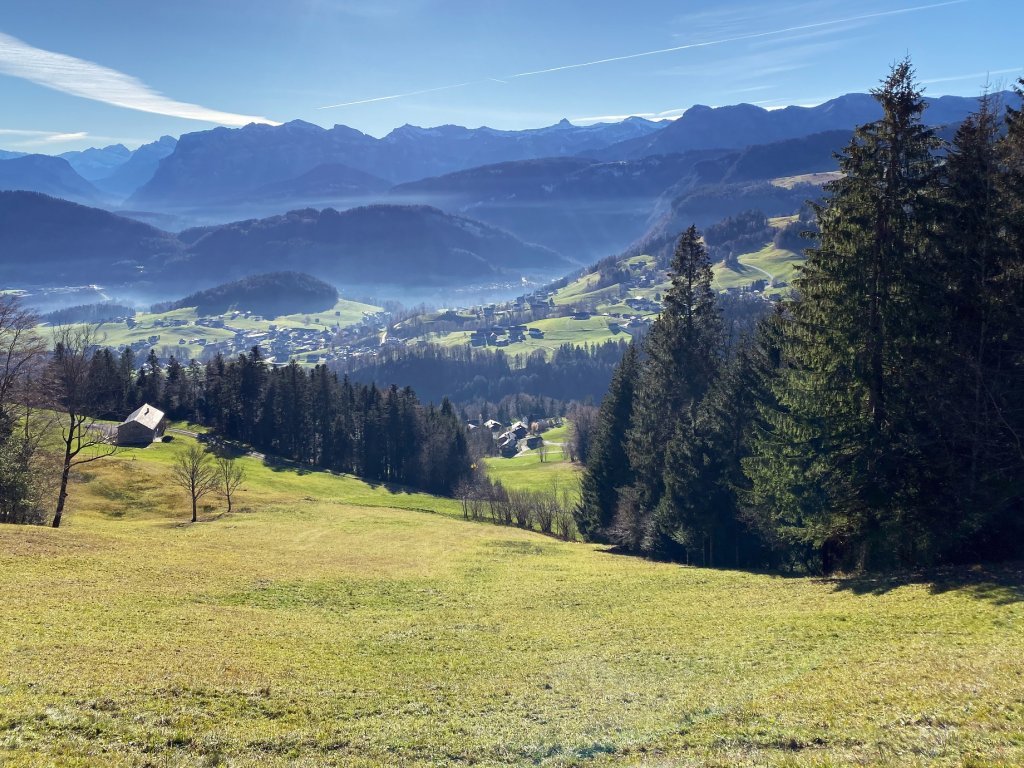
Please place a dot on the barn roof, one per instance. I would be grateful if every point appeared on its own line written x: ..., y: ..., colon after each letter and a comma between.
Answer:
x: 147, y: 416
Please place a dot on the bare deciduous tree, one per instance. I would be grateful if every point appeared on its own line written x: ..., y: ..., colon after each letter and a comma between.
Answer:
x: 21, y: 349
x: 195, y: 472
x: 25, y: 472
x: 68, y: 386
x: 230, y: 476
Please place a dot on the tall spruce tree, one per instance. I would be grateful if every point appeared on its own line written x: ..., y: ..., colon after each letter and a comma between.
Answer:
x: 704, y: 478
x: 683, y: 354
x: 608, y: 467
x: 854, y: 438
x: 973, y: 251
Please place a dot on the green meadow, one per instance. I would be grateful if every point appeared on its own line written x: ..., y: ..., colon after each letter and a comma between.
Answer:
x: 344, y: 313
x: 328, y: 622
x: 557, y: 331
x: 773, y: 263
x: 526, y: 472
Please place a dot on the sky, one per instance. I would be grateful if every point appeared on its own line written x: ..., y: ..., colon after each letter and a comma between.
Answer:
x: 78, y: 74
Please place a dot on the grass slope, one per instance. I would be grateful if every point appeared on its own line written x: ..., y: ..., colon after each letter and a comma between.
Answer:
x: 526, y: 472
x: 343, y: 314
x: 779, y: 263
x: 557, y: 331
x: 324, y: 625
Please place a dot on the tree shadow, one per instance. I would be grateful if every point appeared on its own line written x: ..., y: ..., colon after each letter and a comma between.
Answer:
x: 1001, y: 584
x: 275, y: 464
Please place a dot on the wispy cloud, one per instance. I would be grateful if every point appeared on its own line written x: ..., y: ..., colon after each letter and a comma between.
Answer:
x: 34, y: 138
x: 59, y: 138
x: 972, y: 76
x: 27, y: 138
x: 88, y: 80
x: 673, y: 49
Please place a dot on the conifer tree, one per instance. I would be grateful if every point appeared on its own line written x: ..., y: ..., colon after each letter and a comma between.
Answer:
x: 704, y: 478
x: 973, y: 250
x: 854, y: 436
x: 683, y: 354
x: 608, y: 466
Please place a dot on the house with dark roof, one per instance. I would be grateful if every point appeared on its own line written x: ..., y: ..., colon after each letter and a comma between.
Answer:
x: 142, y: 427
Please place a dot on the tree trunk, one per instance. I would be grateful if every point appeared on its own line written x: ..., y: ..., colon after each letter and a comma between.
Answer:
x: 62, y: 496
x: 64, y: 475
x: 194, y: 518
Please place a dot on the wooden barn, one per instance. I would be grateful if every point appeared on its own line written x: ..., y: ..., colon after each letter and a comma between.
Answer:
x: 142, y: 427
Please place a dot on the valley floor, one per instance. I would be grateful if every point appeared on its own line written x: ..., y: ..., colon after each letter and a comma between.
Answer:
x: 327, y: 622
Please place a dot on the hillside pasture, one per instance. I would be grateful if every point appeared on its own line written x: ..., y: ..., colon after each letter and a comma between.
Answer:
x: 769, y: 262
x: 557, y: 331
x: 345, y: 313
x: 328, y: 622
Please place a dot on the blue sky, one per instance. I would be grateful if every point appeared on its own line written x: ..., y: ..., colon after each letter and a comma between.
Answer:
x: 75, y: 74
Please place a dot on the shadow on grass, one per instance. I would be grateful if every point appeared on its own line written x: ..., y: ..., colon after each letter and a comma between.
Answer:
x: 998, y: 584
x: 275, y: 464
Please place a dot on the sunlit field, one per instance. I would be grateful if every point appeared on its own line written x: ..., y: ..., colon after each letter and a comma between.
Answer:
x: 328, y: 622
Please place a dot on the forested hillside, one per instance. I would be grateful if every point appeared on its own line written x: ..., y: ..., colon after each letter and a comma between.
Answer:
x: 876, y: 417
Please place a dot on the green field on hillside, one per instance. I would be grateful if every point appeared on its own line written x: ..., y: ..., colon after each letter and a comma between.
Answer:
x: 789, y: 182
x: 526, y: 472
x: 770, y: 262
x: 557, y: 331
x: 328, y: 622
x: 583, y: 291
x: 343, y: 314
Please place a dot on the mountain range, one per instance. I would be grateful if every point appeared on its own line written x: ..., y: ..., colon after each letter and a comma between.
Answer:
x: 46, y: 241
x: 420, y: 205
x: 299, y: 160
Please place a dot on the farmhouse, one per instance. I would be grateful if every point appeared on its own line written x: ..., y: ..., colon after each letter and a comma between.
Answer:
x: 531, y: 441
x: 142, y: 427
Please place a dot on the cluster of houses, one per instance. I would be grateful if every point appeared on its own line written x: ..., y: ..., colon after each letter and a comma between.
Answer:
x: 641, y: 304
x: 280, y: 344
x: 517, y: 436
x: 757, y: 288
x: 502, y: 336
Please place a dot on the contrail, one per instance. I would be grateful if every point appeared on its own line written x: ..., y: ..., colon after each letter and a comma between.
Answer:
x: 98, y: 83
x: 659, y: 51
x: 739, y: 38
x: 402, y: 95
x: 971, y: 75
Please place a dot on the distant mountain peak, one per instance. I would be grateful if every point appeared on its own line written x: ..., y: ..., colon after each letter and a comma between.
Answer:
x: 296, y: 125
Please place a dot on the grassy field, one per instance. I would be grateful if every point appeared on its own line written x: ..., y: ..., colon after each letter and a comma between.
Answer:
x: 343, y: 314
x: 780, y: 263
x: 328, y: 622
x: 526, y: 472
x: 788, y: 182
x: 557, y: 331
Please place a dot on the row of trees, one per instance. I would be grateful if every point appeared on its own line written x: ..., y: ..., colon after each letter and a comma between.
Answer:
x: 311, y: 417
x: 52, y: 391
x: 485, y: 377
x: 876, y: 417
x: 547, y: 511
